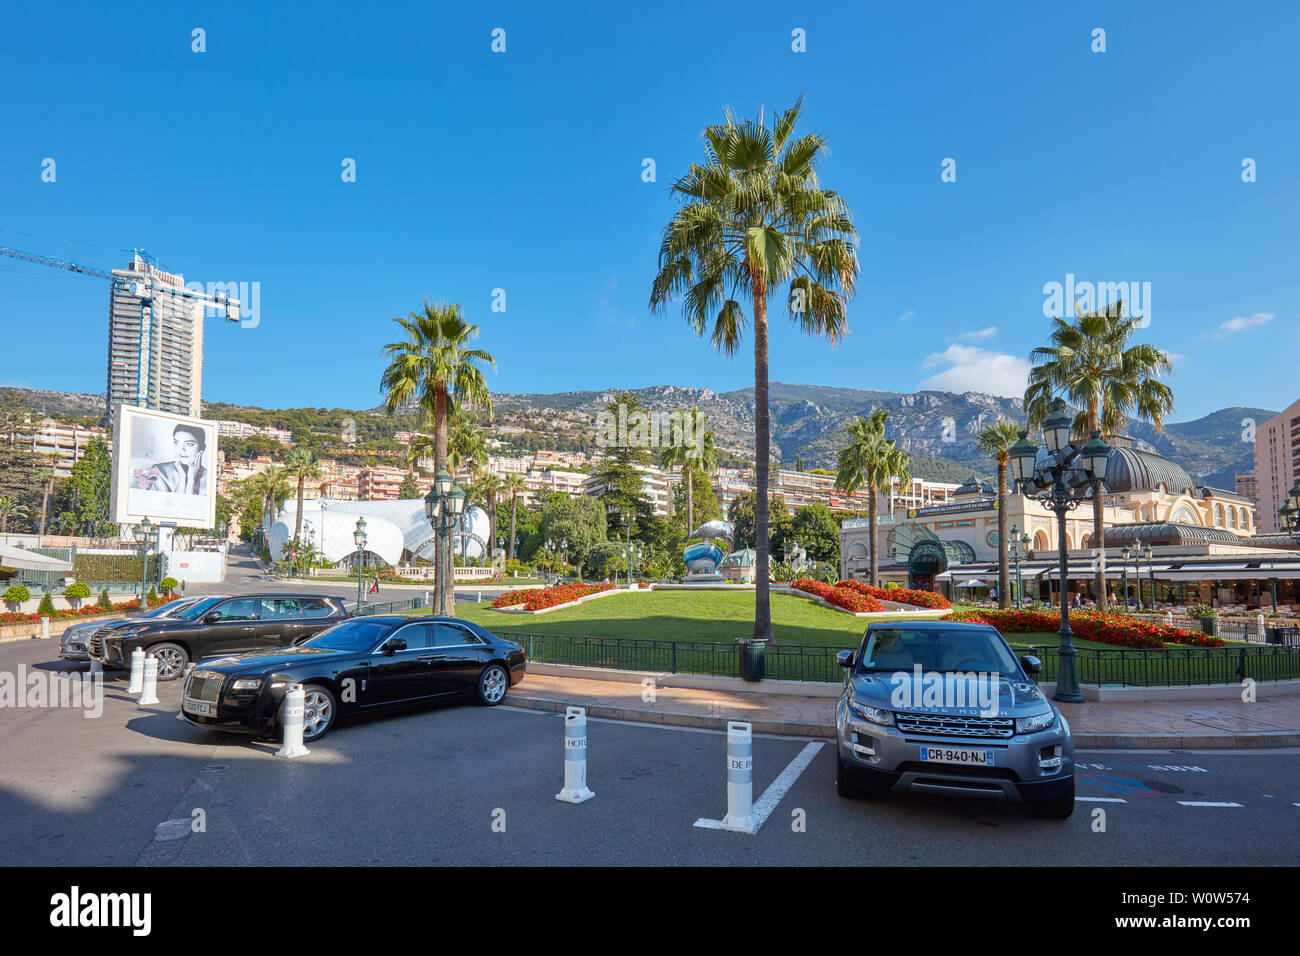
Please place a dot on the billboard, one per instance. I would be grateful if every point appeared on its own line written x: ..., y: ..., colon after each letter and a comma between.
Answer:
x: 164, y: 468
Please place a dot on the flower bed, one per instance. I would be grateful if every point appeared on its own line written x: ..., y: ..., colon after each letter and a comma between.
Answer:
x: 930, y: 599
x: 849, y: 599
x: 1117, y: 629
x: 539, y: 599
x: 89, y: 610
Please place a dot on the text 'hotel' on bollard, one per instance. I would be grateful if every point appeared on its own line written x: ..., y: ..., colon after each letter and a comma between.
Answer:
x: 137, y: 672
x: 740, y: 777
x: 294, y: 708
x: 185, y: 679
x: 149, y: 685
x: 575, y: 757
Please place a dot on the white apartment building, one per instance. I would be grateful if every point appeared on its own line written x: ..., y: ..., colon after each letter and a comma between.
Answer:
x: 65, y: 444
x: 1277, y: 465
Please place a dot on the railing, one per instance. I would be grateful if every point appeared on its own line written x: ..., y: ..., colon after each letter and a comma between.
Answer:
x: 1251, y: 632
x: 388, y: 607
x: 1176, y: 666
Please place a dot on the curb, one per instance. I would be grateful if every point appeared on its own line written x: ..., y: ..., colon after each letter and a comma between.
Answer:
x: 797, y: 728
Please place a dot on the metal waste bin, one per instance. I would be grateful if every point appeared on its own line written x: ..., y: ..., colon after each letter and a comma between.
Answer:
x: 1210, y: 626
x: 752, y: 659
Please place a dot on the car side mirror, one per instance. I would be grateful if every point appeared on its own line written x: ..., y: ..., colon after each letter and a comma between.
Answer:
x: 844, y: 658
x: 1031, y: 664
x: 394, y: 645
x: 212, y: 618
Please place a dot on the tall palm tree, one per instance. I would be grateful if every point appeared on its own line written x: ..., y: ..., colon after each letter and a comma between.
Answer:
x: 513, y: 484
x: 995, y: 440
x: 300, y: 464
x: 271, y: 488
x: 487, y: 489
x: 1091, y: 362
x: 466, y: 444
x: 755, y: 218
x: 10, y: 508
x: 47, y: 477
x: 871, y: 461
x: 700, y: 458
x: 434, y: 368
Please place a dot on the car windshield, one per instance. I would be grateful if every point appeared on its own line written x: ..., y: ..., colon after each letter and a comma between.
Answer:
x: 939, y: 650
x: 166, y: 610
x: 351, y: 636
x: 192, y: 613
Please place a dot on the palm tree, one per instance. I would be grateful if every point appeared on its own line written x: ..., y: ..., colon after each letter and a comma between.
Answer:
x: 271, y: 488
x: 701, y: 457
x: 47, y: 477
x: 486, y: 489
x: 10, y: 508
x: 466, y: 444
x: 513, y: 484
x: 871, y: 461
x: 995, y: 440
x: 435, y: 369
x: 1091, y: 362
x: 301, y: 464
x: 755, y: 218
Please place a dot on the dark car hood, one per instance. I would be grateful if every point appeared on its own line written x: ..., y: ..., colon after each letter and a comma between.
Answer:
x: 260, y: 661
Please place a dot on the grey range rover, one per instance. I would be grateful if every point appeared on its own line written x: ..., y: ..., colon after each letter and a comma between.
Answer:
x: 946, y: 708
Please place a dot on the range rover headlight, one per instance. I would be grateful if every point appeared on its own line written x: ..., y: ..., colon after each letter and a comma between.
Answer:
x: 246, y: 683
x: 877, y: 715
x: 1035, y: 723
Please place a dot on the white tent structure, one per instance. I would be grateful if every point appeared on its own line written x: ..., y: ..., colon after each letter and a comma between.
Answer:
x: 20, y: 559
x: 393, y: 528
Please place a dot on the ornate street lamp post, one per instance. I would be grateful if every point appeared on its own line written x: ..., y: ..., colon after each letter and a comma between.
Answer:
x: 359, y: 536
x: 443, y: 506
x: 146, y: 536
x: 1124, y: 565
x: 1017, y: 543
x: 1151, y: 573
x: 1063, y: 482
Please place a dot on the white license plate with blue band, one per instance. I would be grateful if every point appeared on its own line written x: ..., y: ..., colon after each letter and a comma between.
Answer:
x: 194, y: 707
x: 961, y: 755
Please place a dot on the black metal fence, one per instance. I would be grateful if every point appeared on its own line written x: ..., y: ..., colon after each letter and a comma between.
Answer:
x: 388, y: 607
x: 1172, y: 666
x: 1250, y: 631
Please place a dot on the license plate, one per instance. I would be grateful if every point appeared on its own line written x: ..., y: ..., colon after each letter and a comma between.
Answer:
x: 194, y: 707
x: 961, y: 755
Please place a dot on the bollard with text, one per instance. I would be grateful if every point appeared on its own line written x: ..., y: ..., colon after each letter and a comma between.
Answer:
x: 575, y: 757
x: 740, y: 777
x: 137, y: 672
x: 149, y: 685
x: 45, y: 628
x: 295, y: 705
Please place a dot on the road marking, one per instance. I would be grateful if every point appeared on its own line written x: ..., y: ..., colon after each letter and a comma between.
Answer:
x: 1176, y: 767
x: 779, y: 787
x: 1206, y: 803
x: 1104, y: 799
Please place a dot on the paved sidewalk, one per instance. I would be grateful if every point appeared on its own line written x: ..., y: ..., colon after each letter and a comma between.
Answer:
x: 1175, y: 725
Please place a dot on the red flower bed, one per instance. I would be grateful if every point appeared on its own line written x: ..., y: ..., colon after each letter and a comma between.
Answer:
x: 850, y: 600
x: 1114, y: 629
x: 537, y: 599
x: 86, y: 610
x: 930, y: 599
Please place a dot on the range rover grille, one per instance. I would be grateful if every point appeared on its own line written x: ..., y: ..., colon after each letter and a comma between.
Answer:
x: 942, y: 725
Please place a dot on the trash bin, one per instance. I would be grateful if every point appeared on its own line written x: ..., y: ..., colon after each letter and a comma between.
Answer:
x: 1273, y: 635
x: 752, y: 663
x: 1210, y: 626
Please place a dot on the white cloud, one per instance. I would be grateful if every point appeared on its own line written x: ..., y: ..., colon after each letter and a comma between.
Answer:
x: 973, y: 369
x: 906, y: 315
x: 1240, y: 324
x: 1176, y: 357
x: 979, y: 334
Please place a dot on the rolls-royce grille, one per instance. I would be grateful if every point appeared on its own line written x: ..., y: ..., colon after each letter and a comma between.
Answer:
x: 96, y: 643
x: 941, y: 725
x: 204, y: 686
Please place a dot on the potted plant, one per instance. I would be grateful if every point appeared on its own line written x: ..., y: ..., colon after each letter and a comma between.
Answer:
x: 76, y: 593
x: 1207, y: 616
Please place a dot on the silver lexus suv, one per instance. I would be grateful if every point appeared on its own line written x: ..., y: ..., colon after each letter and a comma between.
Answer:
x: 943, y: 707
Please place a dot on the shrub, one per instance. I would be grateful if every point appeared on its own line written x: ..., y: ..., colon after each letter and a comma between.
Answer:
x: 1203, y: 612
x: 76, y: 593
x: 17, y: 594
x: 152, y: 596
x: 47, y: 606
x: 105, y: 603
x: 169, y: 585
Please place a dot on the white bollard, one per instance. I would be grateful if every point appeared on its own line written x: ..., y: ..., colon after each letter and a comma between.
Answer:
x: 740, y: 777
x: 1169, y: 618
x: 137, y: 672
x: 45, y: 628
x: 294, y: 708
x: 1259, y: 618
x: 185, y: 679
x: 149, y: 686
x: 575, y: 757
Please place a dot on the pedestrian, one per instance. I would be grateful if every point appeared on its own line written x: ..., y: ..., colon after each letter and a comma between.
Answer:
x: 182, y: 587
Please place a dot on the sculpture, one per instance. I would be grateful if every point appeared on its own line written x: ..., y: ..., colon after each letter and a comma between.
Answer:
x: 706, y: 547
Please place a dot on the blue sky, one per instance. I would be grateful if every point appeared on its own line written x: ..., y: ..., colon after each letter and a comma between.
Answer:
x: 522, y: 171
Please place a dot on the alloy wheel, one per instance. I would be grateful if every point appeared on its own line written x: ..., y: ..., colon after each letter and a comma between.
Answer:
x: 317, y: 712
x: 494, y: 684
x: 171, y: 662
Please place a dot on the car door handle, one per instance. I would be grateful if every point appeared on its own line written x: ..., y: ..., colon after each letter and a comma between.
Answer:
x: 427, y: 657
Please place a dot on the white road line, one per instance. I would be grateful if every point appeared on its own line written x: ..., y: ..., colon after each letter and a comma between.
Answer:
x: 1205, y: 803
x: 779, y: 787
x: 1103, y: 799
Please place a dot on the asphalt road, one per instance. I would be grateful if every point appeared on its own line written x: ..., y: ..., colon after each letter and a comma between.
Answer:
x: 426, y: 787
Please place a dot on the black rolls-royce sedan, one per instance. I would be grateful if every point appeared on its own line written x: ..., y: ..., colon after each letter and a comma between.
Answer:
x: 362, y: 664
x: 218, y: 626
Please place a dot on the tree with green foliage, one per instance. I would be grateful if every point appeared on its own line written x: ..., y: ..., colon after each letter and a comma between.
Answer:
x: 46, y: 608
x: 76, y: 593
x: 995, y: 440
x: 706, y: 506
x: 513, y: 485
x: 105, y: 603
x: 742, y: 515
x: 151, y: 598
x: 10, y: 510
x: 300, y: 465
x: 87, y: 491
x: 579, y: 521
x: 620, y: 473
x: 1091, y: 362
x: 410, y: 488
x: 699, y: 457
x: 16, y: 594
x: 755, y: 217
x: 871, y: 461
x: 816, y: 529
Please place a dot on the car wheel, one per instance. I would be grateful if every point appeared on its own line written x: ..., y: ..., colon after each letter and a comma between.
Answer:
x: 492, y: 685
x: 1059, y: 808
x: 171, y: 659
x: 319, y: 712
x: 845, y: 785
